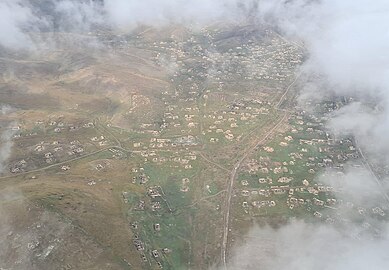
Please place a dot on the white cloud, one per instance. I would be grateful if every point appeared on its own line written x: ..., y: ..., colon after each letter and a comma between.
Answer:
x: 13, y: 17
x: 129, y: 14
x: 303, y: 246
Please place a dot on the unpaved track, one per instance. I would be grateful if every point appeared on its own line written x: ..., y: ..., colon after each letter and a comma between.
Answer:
x: 231, y: 181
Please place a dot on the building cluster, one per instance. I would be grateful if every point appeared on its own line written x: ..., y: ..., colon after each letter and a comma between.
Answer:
x: 272, y: 60
x: 313, y: 151
x: 154, y: 200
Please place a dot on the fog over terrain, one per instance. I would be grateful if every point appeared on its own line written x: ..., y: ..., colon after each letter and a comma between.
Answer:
x: 6, y: 134
x: 347, y: 43
x: 5, y: 147
x: 21, y: 18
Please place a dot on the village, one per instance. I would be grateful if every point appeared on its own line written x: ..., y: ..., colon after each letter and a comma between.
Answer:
x: 303, y: 173
x: 225, y: 114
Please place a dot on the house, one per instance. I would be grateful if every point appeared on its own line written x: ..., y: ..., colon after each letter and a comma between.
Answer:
x: 157, y: 227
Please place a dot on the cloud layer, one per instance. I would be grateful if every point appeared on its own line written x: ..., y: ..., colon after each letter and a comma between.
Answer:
x: 14, y: 15
x: 347, y: 42
x: 6, y: 143
x: 303, y: 246
x: 21, y: 18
